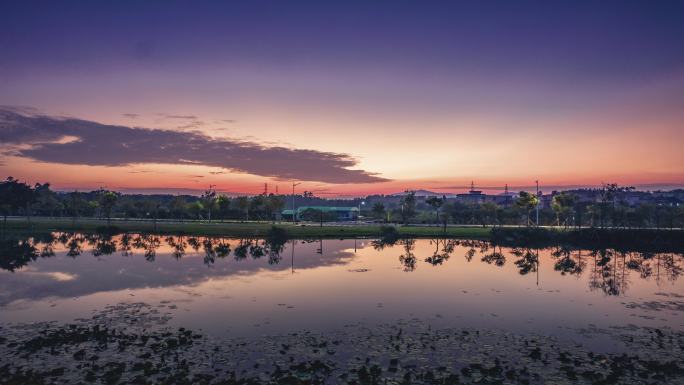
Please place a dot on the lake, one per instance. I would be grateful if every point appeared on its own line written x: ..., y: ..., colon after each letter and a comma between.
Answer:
x: 255, y: 289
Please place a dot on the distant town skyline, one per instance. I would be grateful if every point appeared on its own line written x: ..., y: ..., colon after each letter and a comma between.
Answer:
x: 350, y: 98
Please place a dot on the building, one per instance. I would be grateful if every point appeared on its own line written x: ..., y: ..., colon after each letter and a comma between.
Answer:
x: 339, y: 212
x: 473, y: 196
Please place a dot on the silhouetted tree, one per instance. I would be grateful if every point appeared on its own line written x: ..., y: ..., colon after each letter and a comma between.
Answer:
x: 562, y: 205
x: 208, y: 199
x: 242, y: 204
x: 107, y: 200
x: 435, y: 203
x: 408, y: 206
x: 378, y: 210
x: 527, y: 201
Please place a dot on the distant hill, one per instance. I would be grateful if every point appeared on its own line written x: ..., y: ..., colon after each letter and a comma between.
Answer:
x: 425, y: 193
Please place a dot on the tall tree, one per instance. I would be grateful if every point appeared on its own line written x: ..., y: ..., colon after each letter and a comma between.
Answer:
x: 378, y: 210
x: 208, y: 199
x: 107, y: 201
x: 178, y: 207
x: 75, y: 205
x: 527, y: 201
x: 14, y: 195
x: 408, y: 205
x: 46, y: 199
x: 562, y: 205
x: 242, y: 204
x: 435, y: 203
x: 274, y: 204
x: 223, y: 206
x: 489, y: 213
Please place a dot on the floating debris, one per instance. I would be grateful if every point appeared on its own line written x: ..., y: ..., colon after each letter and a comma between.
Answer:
x: 133, y: 343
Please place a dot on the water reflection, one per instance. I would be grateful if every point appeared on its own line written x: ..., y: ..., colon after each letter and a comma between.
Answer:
x: 608, y: 271
x: 151, y: 261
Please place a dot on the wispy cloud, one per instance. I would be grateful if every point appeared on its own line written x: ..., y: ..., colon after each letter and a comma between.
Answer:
x: 171, y: 116
x: 92, y: 143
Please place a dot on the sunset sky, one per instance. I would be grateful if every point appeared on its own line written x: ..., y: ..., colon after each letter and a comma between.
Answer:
x: 349, y: 97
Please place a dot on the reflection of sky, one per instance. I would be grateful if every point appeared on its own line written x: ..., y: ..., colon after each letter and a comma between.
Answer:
x: 341, y: 287
x: 65, y: 277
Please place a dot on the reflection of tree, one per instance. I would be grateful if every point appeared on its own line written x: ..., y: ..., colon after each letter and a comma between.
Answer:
x: 565, y: 263
x: 242, y: 249
x: 46, y: 242
x: 195, y: 243
x: 671, y: 266
x: 209, y: 251
x: 382, y: 243
x: 73, y: 245
x: 222, y: 249
x: 609, y: 272
x: 15, y: 254
x: 269, y: 246
x: 125, y: 244
x: 528, y: 260
x: 641, y: 263
x: 256, y: 250
x: 443, y: 250
x: 495, y: 257
x: 149, y: 244
x: 178, y: 245
x: 103, y: 244
x: 214, y: 248
x: 472, y: 246
x: 274, y: 247
x: 408, y: 259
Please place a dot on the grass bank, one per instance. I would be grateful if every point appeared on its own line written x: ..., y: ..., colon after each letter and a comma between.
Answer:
x: 655, y: 240
x: 643, y: 240
x: 241, y: 229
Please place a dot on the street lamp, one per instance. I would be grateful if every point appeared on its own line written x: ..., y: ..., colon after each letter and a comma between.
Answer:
x: 538, y: 202
x: 362, y: 203
x: 294, y: 214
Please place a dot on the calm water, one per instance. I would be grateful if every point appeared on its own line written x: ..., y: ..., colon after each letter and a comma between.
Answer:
x: 245, y: 287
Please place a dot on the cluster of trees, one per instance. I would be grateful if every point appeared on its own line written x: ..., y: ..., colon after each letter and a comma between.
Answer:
x: 565, y: 209
x: 19, y: 198
x: 609, y: 210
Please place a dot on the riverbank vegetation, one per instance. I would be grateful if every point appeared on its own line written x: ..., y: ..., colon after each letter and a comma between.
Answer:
x: 609, y: 208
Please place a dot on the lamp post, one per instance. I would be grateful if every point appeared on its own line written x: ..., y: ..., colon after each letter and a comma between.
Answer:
x: 362, y: 203
x: 294, y: 214
x: 538, y: 202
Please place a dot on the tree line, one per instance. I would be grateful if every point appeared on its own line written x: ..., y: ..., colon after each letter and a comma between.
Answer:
x: 610, y: 210
x: 18, y: 198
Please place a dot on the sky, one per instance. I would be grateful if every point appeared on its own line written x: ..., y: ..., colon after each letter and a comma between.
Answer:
x: 348, y: 98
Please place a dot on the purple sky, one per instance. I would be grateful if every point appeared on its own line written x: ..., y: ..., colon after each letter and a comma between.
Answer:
x: 405, y: 94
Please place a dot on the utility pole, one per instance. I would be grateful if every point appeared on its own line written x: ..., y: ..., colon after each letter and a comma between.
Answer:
x: 506, y: 197
x: 538, y: 202
x: 294, y: 214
